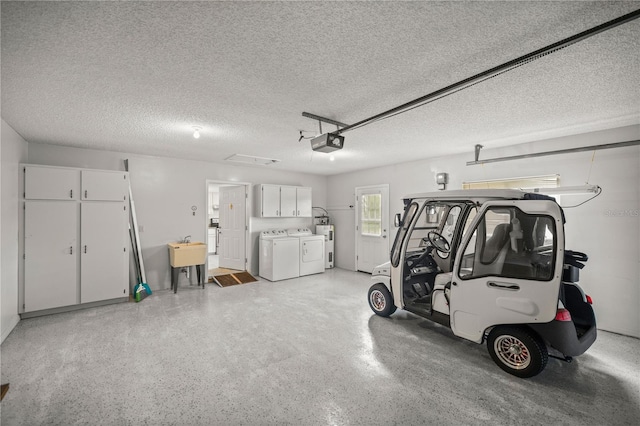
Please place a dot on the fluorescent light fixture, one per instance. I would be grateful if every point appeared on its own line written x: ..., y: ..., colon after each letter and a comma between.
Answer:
x: 250, y: 159
x: 566, y: 190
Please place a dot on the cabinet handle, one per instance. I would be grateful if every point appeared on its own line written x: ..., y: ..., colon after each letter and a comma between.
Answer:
x: 85, y: 249
x: 293, y: 213
x: 277, y: 214
x: 71, y: 193
x: 71, y: 250
x: 85, y: 193
x: 298, y: 212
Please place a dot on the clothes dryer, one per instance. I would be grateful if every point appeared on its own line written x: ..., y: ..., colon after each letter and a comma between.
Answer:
x: 311, y: 257
x: 279, y: 255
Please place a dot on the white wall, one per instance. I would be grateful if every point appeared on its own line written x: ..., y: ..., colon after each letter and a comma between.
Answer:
x: 13, y: 151
x: 164, y: 189
x: 607, y: 228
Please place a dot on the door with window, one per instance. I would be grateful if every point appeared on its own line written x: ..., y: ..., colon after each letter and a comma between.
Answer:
x: 509, y: 267
x: 372, y: 226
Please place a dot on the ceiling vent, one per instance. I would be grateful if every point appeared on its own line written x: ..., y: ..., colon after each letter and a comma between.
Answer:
x: 249, y: 159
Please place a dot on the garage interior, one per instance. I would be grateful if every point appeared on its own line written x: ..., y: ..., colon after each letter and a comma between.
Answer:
x: 90, y: 85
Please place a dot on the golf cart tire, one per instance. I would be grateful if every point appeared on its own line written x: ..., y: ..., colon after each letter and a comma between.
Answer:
x: 381, y: 300
x: 517, y: 351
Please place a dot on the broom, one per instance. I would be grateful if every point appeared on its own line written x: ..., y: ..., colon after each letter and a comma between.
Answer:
x: 141, y: 290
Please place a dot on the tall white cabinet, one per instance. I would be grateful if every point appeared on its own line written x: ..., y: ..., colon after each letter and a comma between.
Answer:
x: 75, y: 237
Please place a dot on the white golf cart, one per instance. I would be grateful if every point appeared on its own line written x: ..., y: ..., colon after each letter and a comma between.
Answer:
x: 491, y: 265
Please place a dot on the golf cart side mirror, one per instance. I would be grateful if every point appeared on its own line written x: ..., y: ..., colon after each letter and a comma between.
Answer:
x: 397, y: 221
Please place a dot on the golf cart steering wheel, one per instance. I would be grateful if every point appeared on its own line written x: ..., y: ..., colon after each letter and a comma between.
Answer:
x: 439, y: 242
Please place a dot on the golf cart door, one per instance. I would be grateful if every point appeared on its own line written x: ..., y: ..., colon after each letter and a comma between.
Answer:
x: 509, y: 267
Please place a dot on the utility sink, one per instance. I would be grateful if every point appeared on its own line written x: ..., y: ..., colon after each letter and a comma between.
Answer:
x: 187, y: 254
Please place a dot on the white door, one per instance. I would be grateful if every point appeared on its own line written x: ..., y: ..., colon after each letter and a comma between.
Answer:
x: 509, y: 268
x: 288, y: 206
x: 104, y: 265
x: 51, y: 183
x: 270, y: 199
x: 372, y: 226
x: 104, y: 185
x: 51, y: 254
x: 303, y: 201
x: 232, y: 227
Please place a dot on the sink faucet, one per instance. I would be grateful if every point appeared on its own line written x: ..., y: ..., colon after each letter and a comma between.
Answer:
x: 187, y: 239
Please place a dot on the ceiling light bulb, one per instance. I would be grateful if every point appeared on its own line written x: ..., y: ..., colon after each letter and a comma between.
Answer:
x: 196, y: 132
x: 332, y: 158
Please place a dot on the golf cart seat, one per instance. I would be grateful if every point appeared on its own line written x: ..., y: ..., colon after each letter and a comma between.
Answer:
x: 442, y: 280
x: 491, y: 259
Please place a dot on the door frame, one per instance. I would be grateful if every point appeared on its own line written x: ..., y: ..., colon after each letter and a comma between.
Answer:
x: 385, y: 189
x: 248, y: 208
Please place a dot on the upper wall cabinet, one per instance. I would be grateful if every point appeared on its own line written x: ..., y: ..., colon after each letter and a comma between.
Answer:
x: 104, y: 185
x: 268, y: 200
x: 283, y: 201
x: 51, y: 183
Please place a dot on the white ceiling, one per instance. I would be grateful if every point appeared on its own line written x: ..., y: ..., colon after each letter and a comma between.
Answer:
x: 136, y: 76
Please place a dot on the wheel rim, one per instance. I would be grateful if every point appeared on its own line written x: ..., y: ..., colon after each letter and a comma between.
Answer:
x: 377, y: 300
x: 512, y: 352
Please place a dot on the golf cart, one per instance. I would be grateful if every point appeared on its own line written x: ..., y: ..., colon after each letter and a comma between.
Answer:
x: 491, y: 265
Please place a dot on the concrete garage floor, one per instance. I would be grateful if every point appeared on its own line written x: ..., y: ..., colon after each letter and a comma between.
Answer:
x: 306, y: 351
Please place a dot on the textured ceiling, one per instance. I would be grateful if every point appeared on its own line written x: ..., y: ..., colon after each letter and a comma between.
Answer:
x: 136, y: 76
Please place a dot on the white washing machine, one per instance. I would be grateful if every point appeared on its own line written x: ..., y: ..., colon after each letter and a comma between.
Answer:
x: 279, y: 255
x: 311, y: 251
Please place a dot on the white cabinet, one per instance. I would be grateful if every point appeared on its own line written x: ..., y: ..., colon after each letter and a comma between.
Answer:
x: 76, y: 249
x: 104, y: 185
x: 51, y: 254
x: 51, y: 183
x: 103, y: 251
x: 303, y: 201
x: 283, y: 201
x: 288, y: 203
x: 269, y: 200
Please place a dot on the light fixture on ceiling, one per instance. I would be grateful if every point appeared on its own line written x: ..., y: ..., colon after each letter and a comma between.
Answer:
x: 251, y: 159
x: 196, y: 132
x: 332, y: 158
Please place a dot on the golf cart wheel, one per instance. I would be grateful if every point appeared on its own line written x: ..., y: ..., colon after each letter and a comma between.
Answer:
x: 517, y: 351
x: 380, y: 300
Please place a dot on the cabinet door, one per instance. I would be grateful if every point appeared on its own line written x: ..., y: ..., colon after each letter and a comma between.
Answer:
x: 50, y: 183
x: 303, y: 198
x: 288, y: 205
x: 104, y: 259
x: 270, y: 201
x: 104, y: 185
x: 51, y: 254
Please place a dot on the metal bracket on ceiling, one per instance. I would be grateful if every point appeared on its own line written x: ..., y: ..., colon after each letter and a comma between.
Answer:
x: 556, y: 152
x: 324, y: 120
x: 478, y: 148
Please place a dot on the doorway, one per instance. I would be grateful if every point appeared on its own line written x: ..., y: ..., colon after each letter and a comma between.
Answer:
x: 226, y: 227
x: 372, y: 225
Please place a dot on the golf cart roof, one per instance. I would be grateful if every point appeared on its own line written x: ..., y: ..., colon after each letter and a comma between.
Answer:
x: 474, y: 194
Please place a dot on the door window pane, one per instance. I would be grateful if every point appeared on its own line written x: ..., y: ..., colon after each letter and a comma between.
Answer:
x: 371, y: 215
x: 510, y: 243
